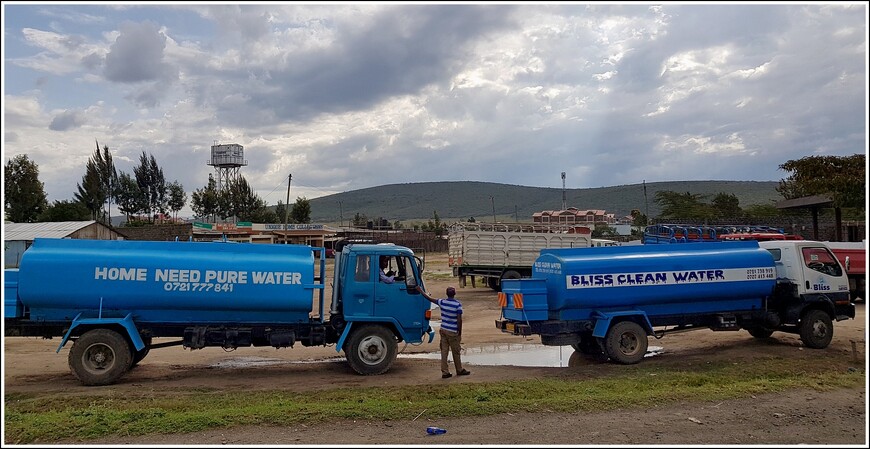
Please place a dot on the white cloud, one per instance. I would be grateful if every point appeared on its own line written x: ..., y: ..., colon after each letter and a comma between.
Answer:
x: 346, y: 96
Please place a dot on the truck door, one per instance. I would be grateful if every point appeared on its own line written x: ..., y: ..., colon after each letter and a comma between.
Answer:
x: 395, y: 299
x: 358, y: 292
x: 822, y: 273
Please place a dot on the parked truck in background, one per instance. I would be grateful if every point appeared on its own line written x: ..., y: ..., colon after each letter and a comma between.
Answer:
x: 500, y: 251
x: 113, y: 298
x: 608, y: 301
x: 852, y: 255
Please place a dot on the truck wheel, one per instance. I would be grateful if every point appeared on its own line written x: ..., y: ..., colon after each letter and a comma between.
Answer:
x: 139, y: 355
x: 626, y: 342
x: 588, y: 345
x: 511, y: 274
x: 494, y: 284
x: 371, y: 350
x: 816, y: 329
x: 760, y: 332
x: 100, y: 357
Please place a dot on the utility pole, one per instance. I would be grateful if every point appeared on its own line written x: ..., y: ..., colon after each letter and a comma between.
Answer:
x: 516, y: 214
x: 564, y: 197
x: 340, y: 216
x: 492, y: 200
x: 646, y: 203
x: 287, y: 207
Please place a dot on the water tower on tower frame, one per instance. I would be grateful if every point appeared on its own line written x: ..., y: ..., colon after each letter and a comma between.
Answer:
x: 227, y: 159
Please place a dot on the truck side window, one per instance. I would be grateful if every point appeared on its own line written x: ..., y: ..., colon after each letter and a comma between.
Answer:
x: 821, y: 260
x: 406, y: 271
x: 363, y: 270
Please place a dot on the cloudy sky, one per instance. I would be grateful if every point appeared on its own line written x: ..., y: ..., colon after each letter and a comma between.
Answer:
x: 352, y: 95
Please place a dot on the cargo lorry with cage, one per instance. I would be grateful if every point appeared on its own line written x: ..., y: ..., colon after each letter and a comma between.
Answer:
x: 494, y: 252
x: 608, y: 301
x: 115, y: 299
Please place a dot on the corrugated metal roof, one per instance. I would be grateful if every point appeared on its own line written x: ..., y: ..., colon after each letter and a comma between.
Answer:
x: 30, y: 231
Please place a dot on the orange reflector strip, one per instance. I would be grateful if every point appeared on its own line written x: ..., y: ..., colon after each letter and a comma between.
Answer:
x: 428, y: 314
x: 502, y: 299
x: 518, y: 301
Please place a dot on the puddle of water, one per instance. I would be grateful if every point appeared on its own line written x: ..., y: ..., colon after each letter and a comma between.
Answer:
x: 513, y: 354
x: 520, y: 354
x: 245, y: 362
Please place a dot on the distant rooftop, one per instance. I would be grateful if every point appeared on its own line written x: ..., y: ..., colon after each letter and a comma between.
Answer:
x: 55, y: 229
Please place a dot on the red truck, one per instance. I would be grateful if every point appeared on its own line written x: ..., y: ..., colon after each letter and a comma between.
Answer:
x: 853, y: 256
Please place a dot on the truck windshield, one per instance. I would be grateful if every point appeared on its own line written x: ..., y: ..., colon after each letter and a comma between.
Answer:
x: 821, y: 260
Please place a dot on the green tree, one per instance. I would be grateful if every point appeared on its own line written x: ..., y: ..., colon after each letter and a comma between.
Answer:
x: 726, y: 205
x: 24, y: 194
x: 204, y: 201
x: 239, y: 200
x: 639, y: 221
x: 65, y: 211
x: 762, y: 212
x: 108, y: 177
x: 360, y: 220
x: 604, y: 232
x: 177, y: 197
x: 98, y: 185
x: 152, y: 184
x: 130, y: 199
x: 90, y: 191
x: 301, y: 211
x: 841, y: 178
x: 682, y: 205
x: 280, y: 210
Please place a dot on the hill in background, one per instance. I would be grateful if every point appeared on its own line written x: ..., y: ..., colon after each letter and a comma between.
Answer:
x: 460, y: 200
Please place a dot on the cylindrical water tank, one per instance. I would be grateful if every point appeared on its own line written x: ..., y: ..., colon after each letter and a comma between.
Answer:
x: 167, y: 282
x: 693, y: 274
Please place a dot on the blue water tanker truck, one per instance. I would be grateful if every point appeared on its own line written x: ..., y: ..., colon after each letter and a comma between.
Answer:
x: 607, y: 301
x: 113, y: 298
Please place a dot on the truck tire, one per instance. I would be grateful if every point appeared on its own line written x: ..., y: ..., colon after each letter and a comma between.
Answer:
x: 816, y: 329
x: 760, y: 332
x: 626, y: 342
x: 511, y: 274
x: 371, y: 350
x: 589, y: 345
x: 494, y: 284
x: 100, y: 357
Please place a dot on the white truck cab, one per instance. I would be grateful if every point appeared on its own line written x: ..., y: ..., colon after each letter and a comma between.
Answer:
x: 809, y: 265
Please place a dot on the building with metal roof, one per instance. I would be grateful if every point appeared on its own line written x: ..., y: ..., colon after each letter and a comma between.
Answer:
x: 17, y: 237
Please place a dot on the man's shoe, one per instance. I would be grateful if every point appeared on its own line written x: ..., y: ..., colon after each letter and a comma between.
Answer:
x: 446, y: 375
x: 464, y: 372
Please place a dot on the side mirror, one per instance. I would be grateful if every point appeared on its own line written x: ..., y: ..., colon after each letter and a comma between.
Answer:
x: 848, y: 263
x: 411, y: 284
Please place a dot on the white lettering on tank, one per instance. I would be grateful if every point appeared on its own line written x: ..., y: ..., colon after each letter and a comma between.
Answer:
x: 226, y: 277
x: 120, y: 274
x: 176, y: 275
x: 276, y: 277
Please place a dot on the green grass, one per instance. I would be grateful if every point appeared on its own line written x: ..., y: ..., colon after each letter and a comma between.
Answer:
x: 49, y: 418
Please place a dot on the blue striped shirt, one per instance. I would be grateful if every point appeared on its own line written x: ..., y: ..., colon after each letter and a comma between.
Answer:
x: 451, y: 308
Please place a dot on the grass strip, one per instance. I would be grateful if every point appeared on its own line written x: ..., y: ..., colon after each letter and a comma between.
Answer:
x: 41, y: 418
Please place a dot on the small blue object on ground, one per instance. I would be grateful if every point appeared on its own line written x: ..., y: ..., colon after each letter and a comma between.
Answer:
x: 435, y: 430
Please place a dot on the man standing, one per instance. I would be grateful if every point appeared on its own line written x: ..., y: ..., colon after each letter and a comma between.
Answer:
x: 451, y: 330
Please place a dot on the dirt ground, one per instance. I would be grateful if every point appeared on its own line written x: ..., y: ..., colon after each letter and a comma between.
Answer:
x: 796, y: 417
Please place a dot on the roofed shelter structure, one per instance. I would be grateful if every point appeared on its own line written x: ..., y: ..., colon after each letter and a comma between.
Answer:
x: 814, y: 203
x: 17, y: 237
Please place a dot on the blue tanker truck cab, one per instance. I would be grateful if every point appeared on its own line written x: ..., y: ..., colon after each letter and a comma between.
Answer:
x: 606, y: 301
x: 112, y: 298
x: 366, y: 298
